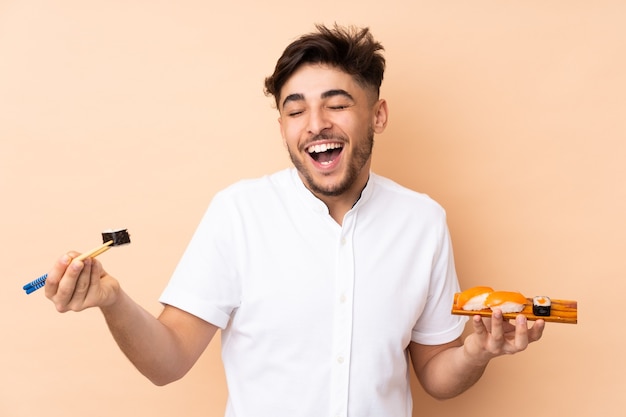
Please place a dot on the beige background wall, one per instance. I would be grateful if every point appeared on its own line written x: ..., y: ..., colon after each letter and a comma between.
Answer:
x: 134, y: 113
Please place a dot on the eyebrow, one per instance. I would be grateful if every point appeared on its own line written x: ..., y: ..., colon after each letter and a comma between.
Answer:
x: 293, y: 97
x: 325, y: 94
x: 332, y: 93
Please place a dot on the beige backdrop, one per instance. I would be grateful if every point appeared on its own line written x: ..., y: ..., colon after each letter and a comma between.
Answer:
x: 134, y: 113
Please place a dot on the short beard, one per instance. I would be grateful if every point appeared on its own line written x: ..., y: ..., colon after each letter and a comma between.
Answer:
x: 361, y: 156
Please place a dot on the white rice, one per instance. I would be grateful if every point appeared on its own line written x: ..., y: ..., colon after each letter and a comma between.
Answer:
x: 476, y: 303
x: 510, y: 307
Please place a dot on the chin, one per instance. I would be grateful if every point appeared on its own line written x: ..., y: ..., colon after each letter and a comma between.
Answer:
x: 330, y: 188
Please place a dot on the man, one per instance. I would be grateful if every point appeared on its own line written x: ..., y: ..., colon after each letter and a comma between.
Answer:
x: 323, y: 278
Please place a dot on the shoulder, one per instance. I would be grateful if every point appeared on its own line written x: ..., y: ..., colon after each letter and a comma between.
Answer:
x: 254, y: 196
x: 390, y: 193
x: 251, y: 187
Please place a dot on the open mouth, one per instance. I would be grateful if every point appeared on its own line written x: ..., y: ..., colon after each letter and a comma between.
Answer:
x: 325, y: 153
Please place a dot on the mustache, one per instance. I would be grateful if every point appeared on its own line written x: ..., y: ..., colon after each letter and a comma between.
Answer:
x: 324, y: 136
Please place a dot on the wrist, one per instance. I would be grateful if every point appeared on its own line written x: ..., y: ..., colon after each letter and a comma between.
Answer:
x: 112, y: 294
x: 474, y: 355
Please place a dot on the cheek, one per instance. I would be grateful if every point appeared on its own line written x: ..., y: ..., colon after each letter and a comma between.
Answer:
x: 290, y: 132
x: 351, y: 124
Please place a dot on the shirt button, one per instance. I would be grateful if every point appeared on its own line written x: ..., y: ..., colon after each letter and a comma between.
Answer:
x: 340, y: 359
x: 343, y: 240
x: 342, y: 299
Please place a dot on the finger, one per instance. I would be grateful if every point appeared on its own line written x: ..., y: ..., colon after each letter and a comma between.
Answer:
x: 478, y: 325
x: 497, y: 327
x: 536, y: 331
x: 521, y: 333
x: 96, y: 275
x: 82, y: 283
x: 66, y: 287
x: 55, y: 274
x: 474, y: 345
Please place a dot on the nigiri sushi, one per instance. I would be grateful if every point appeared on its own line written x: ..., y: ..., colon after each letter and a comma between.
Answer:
x: 473, y: 299
x: 507, y: 301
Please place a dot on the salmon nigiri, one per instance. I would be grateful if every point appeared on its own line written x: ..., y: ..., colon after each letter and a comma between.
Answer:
x: 473, y: 299
x: 507, y: 301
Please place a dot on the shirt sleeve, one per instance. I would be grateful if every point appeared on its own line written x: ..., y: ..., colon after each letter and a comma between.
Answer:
x: 436, y: 324
x: 205, y: 281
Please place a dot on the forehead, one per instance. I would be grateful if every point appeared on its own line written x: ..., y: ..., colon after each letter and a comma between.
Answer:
x: 311, y: 81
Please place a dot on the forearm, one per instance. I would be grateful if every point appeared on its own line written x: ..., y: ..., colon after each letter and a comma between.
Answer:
x: 163, y: 348
x: 450, y: 373
x: 448, y: 370
x: 150, y: 345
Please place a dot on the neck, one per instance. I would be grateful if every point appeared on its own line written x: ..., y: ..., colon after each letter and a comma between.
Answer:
x: 338, y: 209
x: 339, y: 205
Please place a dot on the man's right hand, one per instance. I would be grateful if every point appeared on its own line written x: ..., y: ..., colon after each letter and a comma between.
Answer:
x: 74, y: 285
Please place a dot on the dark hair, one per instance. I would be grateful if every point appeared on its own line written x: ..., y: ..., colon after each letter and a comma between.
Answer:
x: 349, y: 49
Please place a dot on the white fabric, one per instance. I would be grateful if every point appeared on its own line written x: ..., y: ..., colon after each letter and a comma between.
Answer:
x: 316, y: 317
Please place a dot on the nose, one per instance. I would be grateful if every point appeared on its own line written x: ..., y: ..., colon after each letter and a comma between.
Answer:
x: 318, y: 122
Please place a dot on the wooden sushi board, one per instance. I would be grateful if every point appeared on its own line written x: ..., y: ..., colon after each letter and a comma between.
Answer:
x: 562, y: 311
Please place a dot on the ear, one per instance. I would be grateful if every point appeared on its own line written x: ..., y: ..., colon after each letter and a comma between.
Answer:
x: 381, y: 114
x: 280, y: 125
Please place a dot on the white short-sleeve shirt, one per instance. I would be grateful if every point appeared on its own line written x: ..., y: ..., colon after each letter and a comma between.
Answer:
x: 316, y: 317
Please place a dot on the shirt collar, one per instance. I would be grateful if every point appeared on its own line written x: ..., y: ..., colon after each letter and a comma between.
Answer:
x: 318, y: 205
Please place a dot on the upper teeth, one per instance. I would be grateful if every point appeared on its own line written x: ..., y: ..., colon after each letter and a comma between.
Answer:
x: 323, y: 147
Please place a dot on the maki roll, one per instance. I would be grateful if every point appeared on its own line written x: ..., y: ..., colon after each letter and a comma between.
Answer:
x: 541, y: 305
x: 116, y: 237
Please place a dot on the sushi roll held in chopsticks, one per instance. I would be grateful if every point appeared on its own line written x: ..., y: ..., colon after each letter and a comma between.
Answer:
x: 110, y: 238
x: 542, y: 306
x: 473, y: 299
x: 506, y: 301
